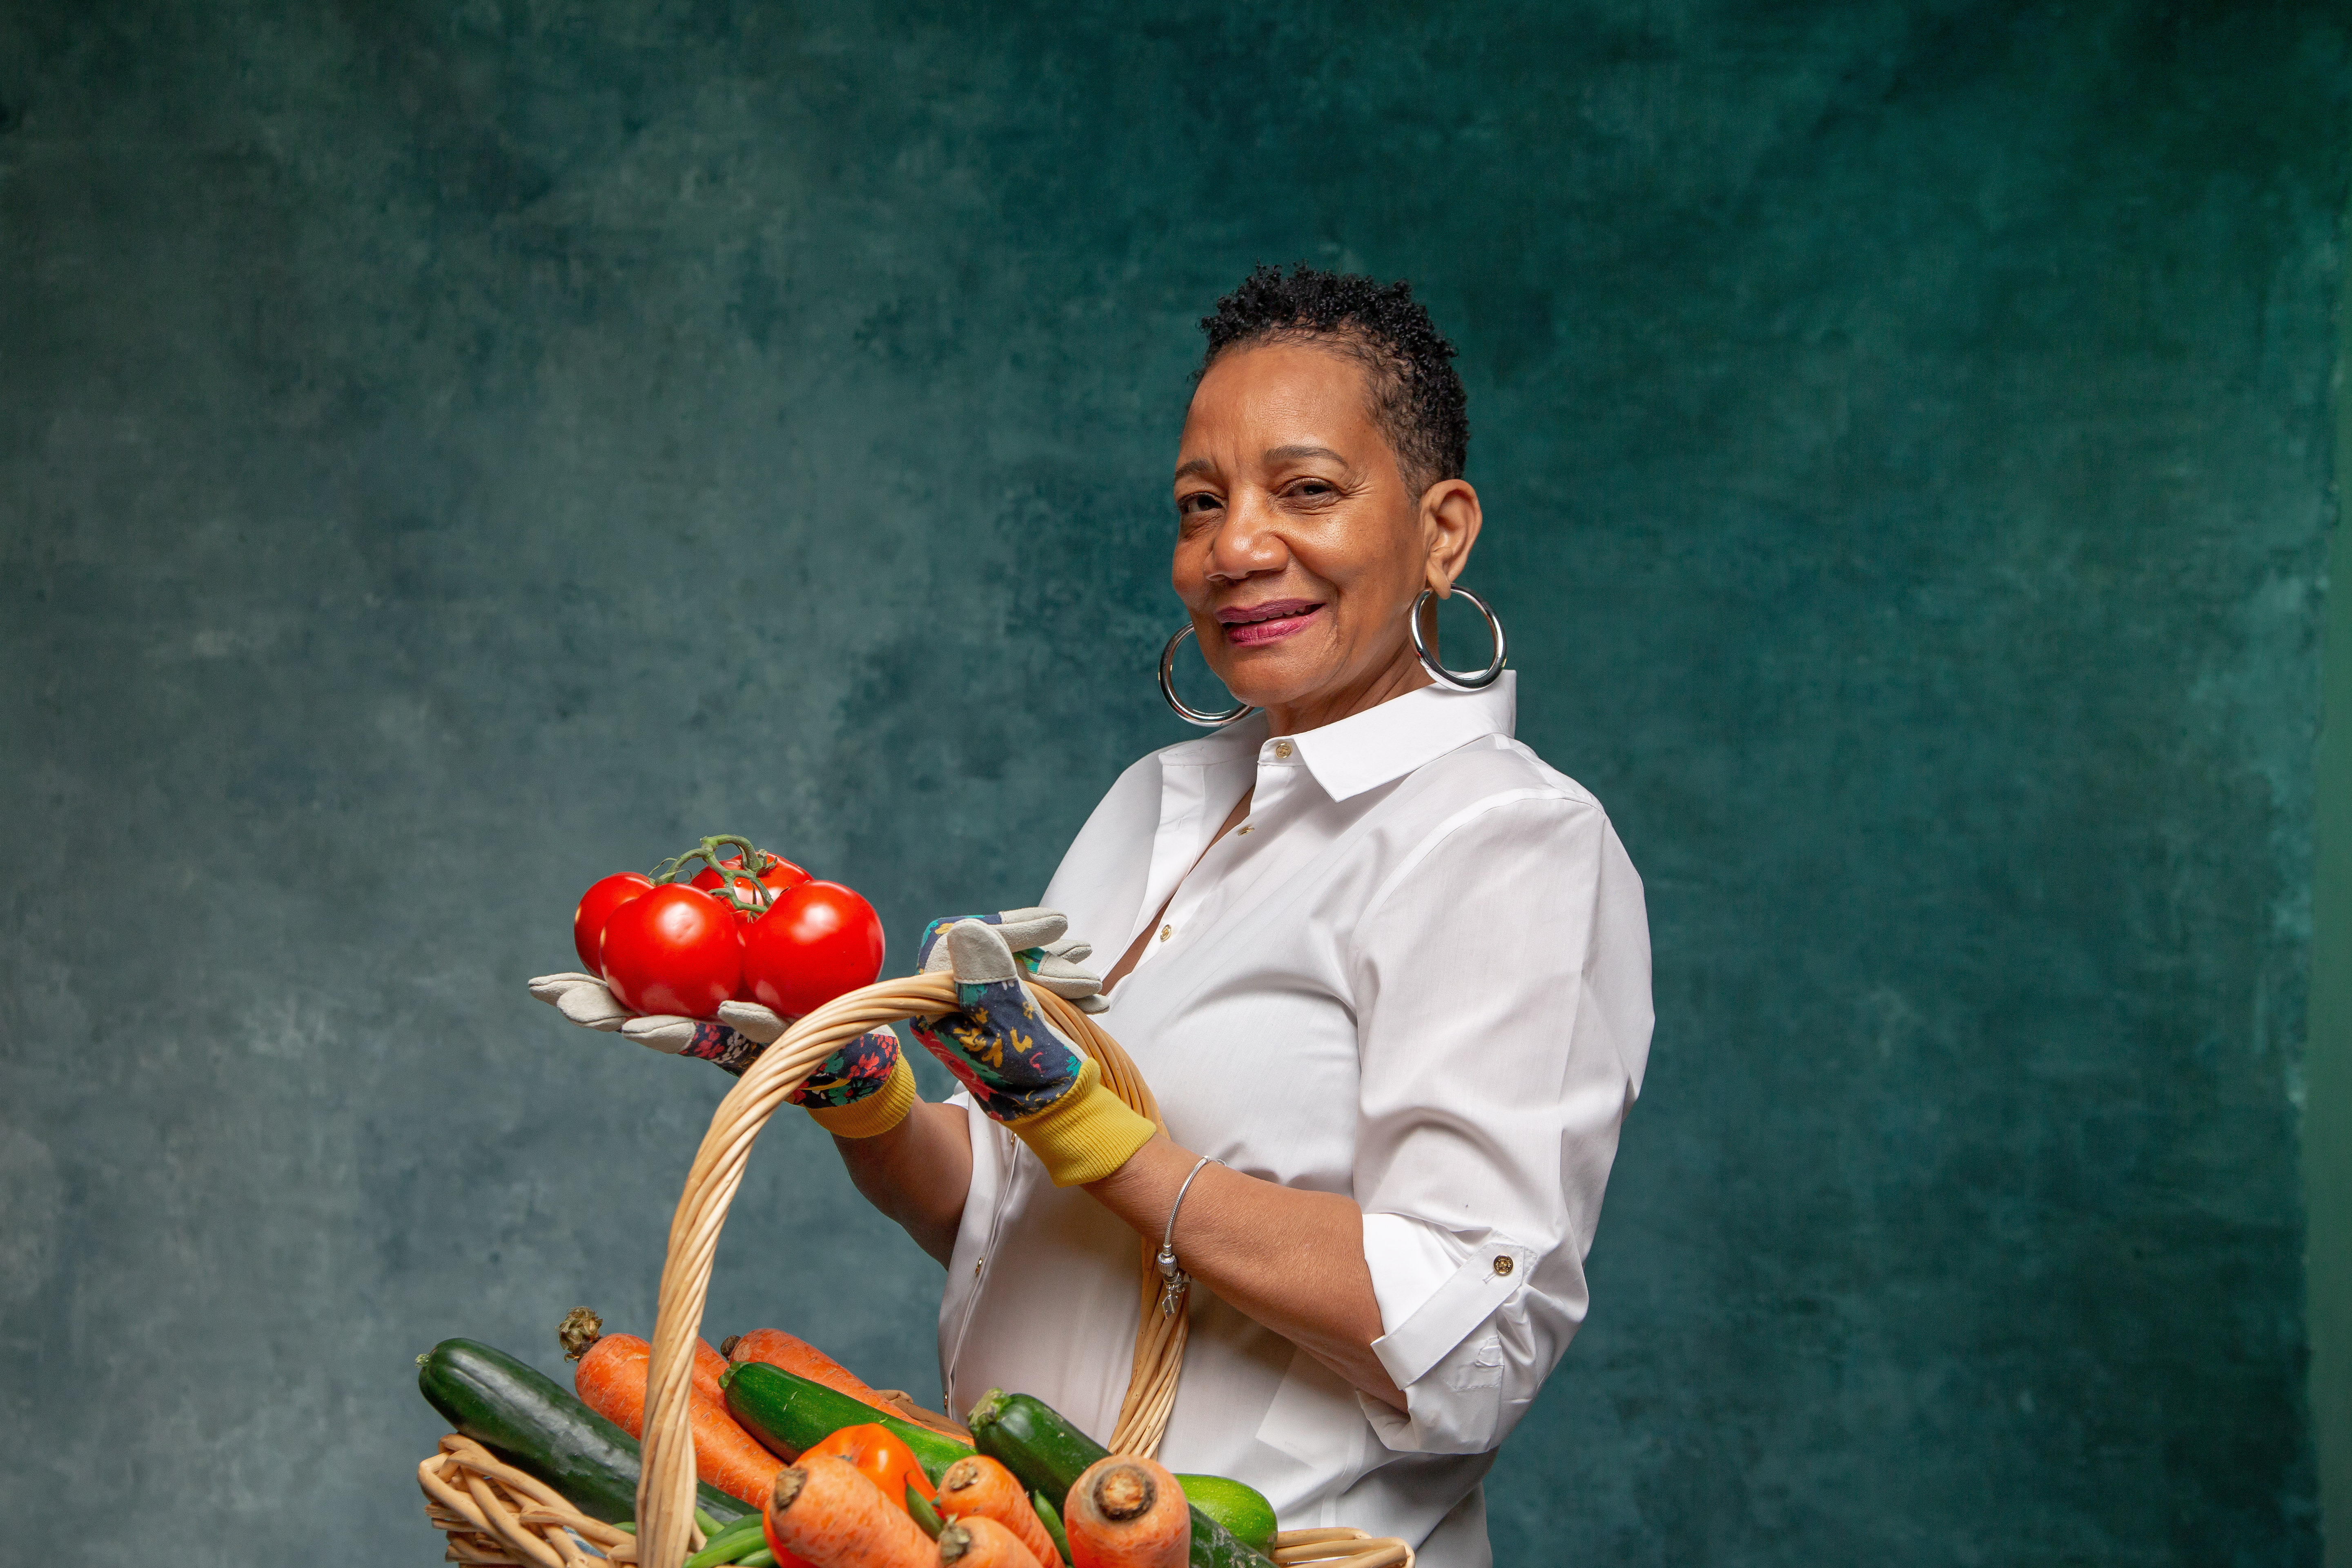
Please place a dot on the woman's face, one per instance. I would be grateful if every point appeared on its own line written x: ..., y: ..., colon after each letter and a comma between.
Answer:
x: 1300, y: 550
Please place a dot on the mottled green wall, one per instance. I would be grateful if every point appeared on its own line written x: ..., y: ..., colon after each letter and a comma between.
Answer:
x: 2327, y: 1068
x: 448, y: 451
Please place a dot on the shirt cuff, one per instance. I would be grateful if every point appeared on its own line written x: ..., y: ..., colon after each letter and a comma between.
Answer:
x: 1434, y: 1288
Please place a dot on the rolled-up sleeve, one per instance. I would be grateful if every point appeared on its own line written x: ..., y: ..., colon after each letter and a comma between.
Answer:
x: 1502, y: 985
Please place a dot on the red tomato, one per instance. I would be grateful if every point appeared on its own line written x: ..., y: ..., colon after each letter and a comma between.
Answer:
x: 596, y: 907
x: 880, y: 1456
x: 781, y: 876
x: 813, y: 944
x: 673, y: 949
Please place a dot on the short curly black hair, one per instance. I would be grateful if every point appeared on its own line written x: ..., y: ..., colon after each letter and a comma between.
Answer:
x: 1417, y: 396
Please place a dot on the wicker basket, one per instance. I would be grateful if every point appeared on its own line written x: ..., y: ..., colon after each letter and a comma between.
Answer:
x: 665, y: 1528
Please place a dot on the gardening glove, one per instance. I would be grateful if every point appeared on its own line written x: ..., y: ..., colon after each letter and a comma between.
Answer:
x: 1019, y: 1069
x: 864, y: 1089
x: 1036, y: 938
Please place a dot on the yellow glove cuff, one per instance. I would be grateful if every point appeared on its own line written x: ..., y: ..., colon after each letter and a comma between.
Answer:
x: 877, y: 1113
x: 1085, y: 1135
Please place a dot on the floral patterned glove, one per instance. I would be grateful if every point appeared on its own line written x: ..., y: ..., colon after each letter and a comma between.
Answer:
x: 1019, y: 1069
x: 864, y: 1089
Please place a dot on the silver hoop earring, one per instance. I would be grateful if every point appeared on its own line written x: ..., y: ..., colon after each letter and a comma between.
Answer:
x: 1438, y: 672
x: 1167, y: 690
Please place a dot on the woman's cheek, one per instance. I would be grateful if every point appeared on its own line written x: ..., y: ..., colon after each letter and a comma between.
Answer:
x: 1188, y: 572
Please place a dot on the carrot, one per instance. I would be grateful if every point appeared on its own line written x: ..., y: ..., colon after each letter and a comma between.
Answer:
x: 826, y: 1514
x: 581, y: 1328
x: 612, y: 1381
x: 709, y: 1366
x: 978, y: 1542
x: 978, y: 1488
x: 780, y: 1350
x: 897, y: 1402
x: 1128, y: 1513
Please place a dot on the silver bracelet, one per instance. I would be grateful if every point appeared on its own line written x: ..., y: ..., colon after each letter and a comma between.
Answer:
x: 1173, y: 1281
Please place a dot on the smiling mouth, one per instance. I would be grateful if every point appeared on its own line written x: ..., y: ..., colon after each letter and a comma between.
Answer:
x: 1248, y: 625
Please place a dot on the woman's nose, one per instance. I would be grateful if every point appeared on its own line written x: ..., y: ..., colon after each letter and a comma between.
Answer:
x: 1247, y: 543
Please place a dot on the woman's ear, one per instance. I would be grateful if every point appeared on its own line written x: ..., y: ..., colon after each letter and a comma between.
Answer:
x: 1449, y: 521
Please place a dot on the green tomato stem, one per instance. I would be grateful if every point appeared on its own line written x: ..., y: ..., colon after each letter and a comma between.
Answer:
x: 753, y: 861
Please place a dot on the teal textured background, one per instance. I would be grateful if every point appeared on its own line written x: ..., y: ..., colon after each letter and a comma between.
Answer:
x: 447, y: 452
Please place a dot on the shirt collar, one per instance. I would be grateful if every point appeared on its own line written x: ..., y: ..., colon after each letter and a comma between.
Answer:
x: 1377, y: 746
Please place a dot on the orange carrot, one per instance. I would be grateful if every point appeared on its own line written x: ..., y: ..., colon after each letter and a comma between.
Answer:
x: 977, y: 1487
x: 797, y: 1356
x: 895, y: 1402
x: 978, y: 1542
x: 829, y: 1516
x: 612, y: 1382
x: 1128, y: 1513
x: 709, y: 1366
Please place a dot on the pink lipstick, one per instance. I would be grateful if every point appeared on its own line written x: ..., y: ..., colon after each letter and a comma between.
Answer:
x: 1250, y: 626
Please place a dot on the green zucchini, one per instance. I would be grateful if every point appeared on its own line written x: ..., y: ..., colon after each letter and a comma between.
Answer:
x: 1049, y: 1455
x: 789, y: 1415
x: 527, y: 1419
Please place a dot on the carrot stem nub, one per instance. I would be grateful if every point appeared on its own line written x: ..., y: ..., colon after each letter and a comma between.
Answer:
x: 578, y: 1332
x: 1124, y: 1492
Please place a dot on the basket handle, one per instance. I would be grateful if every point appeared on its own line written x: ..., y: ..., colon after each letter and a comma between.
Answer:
x: 665, y: 1484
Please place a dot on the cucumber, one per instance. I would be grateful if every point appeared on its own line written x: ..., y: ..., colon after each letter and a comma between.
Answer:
x: 790, y: 1413
x: 525, y: 1418
x: 1240, y: 1508
x: 1048, y: 1454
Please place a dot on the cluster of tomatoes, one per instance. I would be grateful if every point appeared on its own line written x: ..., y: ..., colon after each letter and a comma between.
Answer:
x: 749, y: 926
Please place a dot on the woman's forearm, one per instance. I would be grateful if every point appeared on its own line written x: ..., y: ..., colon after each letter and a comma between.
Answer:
x: 917, y: 1174
x: 1292, y: 1260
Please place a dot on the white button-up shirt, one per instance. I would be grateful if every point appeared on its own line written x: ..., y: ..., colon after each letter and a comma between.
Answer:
x: 1417, y: 975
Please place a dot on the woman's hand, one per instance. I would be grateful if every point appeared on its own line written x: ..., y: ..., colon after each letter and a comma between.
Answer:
x: 862, y: 1089
x: 1017, y: 1067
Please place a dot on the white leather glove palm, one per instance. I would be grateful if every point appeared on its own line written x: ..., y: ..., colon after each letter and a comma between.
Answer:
x: 1055, y: 961
x: 732, y: 1043
x: 863, y: 1089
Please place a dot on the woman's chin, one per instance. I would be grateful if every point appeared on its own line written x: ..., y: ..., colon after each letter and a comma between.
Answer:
x: 1285, y: 672
x: 1264, y: 679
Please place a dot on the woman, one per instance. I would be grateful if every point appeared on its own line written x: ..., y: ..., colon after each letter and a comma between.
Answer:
x: 1387, y: 972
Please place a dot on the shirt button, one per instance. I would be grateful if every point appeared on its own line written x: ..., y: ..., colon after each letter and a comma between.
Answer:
x: 1282, y: 749
x: 1167, y: 932
x: 977, y: 1267
x: 1503, y: 1267
x: 1245, y: 830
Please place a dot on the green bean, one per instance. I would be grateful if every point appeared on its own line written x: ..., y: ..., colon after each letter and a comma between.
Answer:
x: 730, y: 1545
x: 919, y: 1509
x: 1052, y: 1521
